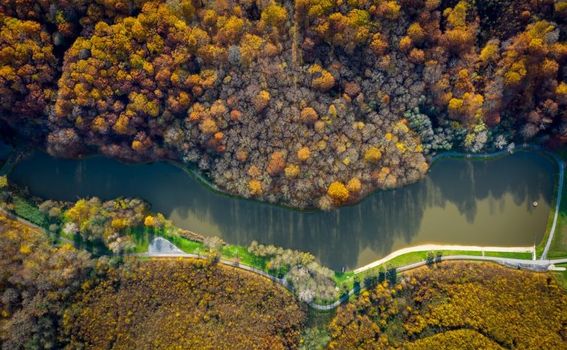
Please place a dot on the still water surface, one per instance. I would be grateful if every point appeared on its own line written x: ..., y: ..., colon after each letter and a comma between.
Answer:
x: 471, y: 202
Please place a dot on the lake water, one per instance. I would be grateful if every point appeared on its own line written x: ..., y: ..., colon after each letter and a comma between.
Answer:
x: 471, y: 202
x: 5, y: 150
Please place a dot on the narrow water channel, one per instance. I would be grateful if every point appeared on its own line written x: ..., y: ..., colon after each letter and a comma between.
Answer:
x: 472, y: 202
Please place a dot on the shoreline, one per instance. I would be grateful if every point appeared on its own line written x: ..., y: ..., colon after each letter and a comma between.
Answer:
x: 539, y: 265
x: 202, y: 178
x: 456, y: 252
x: 546, y: 239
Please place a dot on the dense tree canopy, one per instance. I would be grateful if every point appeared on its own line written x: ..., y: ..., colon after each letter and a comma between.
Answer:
x: 190, y: 304
x: 54, y: 297
x: 27, y: 71
x: 283, y: 100
x: 456, y: 305
x: 107, y: 223
x: 70, y: 17
x: 36, y: 282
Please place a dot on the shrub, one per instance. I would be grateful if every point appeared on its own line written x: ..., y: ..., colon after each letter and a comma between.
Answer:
x: 308, y: 115
x: 261, y: 100
x: 291, y: 171
x: 372, y: 155
x: 274, y: 15
x: 322, y: 79
x: 255, y: 187
x: 303, y: 153
x: 338, y: 192
x: 276, y: 164
x: 354, y: 185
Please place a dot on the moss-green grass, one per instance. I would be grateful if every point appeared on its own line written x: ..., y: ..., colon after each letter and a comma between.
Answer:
x: 244, y: 256
x: 541, y: 245
x: 141, y: 238
x: 511, y: 255
x: 186, y: 245
x: 228, y: 252
x: 346, y: 280
x: 558, y: 247
x: 27, y: 210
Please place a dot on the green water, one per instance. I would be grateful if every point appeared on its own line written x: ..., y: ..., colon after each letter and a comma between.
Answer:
x: 472, y: 202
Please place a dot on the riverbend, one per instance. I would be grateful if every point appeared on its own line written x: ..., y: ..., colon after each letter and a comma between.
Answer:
x: 478, y: 202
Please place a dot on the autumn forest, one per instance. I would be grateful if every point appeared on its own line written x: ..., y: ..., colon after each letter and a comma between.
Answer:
x: 311, y: 103
x: 306, y: 105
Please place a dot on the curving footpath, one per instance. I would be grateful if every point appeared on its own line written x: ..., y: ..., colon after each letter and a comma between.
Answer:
x: 23, y: 221
x: 538, y: 265
x: 441, y: 247
x: 541, y: 264
x: 162, y: 248
x: 559, y: 194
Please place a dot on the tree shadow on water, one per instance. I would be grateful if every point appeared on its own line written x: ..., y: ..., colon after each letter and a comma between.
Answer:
x: 336, y: 237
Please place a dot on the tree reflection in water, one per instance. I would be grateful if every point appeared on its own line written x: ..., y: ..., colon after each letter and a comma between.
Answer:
x: 459, y: 202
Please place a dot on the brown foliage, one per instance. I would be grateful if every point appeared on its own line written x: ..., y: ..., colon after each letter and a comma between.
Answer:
x: 276, y: 164
x: 36, y: 282
x: 184, y: 303
x: 204, y: 82
x: 27, y: 70
x: 308, y: 115
x: 456, y: 303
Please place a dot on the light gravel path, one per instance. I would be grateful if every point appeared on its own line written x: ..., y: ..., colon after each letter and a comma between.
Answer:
x: 559, y: 194
x: 542, y: 264
x: 442, y: 247
x: 169, y: 252
x: 162, y: 248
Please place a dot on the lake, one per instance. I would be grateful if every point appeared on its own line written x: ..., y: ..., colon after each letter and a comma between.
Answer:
x: 460, y: 201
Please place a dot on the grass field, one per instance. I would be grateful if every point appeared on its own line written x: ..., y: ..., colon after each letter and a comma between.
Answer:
x: 511, y: 255
x: 558, y: 248
x: 347, y: 279
x: 28, y: 211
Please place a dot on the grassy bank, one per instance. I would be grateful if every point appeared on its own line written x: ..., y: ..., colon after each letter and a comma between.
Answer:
x: 558, y: 247
x: 141, y: 236
x: 27, y: 210
x: 510, y: 255
x: 347, y: 280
